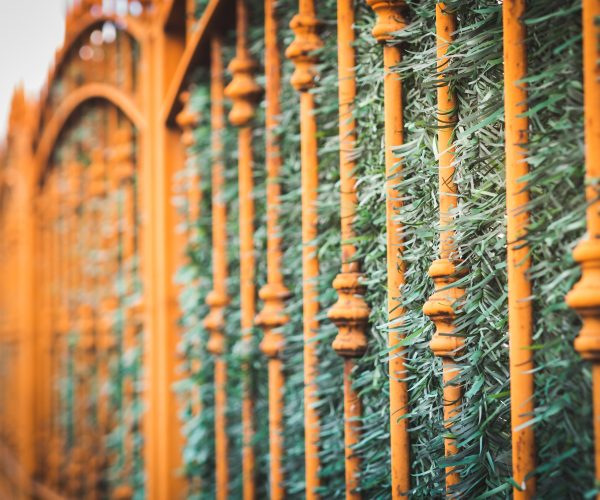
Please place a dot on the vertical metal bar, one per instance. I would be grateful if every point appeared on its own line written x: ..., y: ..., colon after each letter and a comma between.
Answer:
x: 218, y: 299
x: 390, y: 18
x: 125, y: 173
x: 54, y: 460
x: 520, y: 315
x: 442, y: 304
x: 111, y: 300
x: 585, y: 295
x: 97, y: 193
x: 187, y: 120
x: 164, y: 443
x: 273, y: 317
x: 76, y: 459
x: 301, y: 51
x: 350, y: 313
x: 86, y: 342
x: 179, y: 193
x: 90, y: 313
x: 190, y: 17
x: 105, y: 341
x: 46, y: 329
x: 244, y: 92
x: 64, y: 324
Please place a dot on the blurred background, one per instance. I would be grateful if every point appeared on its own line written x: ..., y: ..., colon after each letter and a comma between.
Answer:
x: 30, y: 32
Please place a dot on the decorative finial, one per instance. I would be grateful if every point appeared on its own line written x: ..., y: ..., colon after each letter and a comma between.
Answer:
x: 585, y: 297
x: 187, y: 119
x: 390, y: 18
x: 243, y: 89
x: 215, y: 322
x: 272, y: 318
x: 301, y: 50
x: 350, y: 314
x: 441, y: 308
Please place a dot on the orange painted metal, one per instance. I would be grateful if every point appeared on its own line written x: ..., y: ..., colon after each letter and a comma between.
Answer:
x: 97, y: 191
x: 106, y: 186
x: 63, y: 329
x: 301, y: 51
x: 218, y: 299
x: 54, y: 458
x: 187, y: 120
x: 180, y: 192
x: 273, y: 317
x: 244, y: 93
x: 181, y: 240
x: 155, y: 452
x: 75, y: 459
x: 111, y: 301
x: 391, y: 18
x: 95, y: 195
x: 441, y: 306
x: 520, y: 314
x: 194, y: 53
x: 125, y: 171
x: 194, y: 201
x: 190, y: 17
x: 46, y: 327
x: 18, y: 208
x: 585, y: 295
x: 350, y: 313
x: 68, y: 107
x: 166, y: 156
x: 86, y: 342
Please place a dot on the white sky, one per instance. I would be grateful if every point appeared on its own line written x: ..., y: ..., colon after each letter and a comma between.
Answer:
x: 30, y: 32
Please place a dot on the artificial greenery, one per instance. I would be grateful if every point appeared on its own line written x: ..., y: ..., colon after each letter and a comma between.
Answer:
x: 562, y: 415
x: 476, y: 75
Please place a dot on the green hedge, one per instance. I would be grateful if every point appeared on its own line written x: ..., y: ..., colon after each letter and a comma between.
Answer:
x: 562, y: 416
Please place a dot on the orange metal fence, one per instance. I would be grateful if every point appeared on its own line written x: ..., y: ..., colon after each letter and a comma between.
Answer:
x: 115, y: 286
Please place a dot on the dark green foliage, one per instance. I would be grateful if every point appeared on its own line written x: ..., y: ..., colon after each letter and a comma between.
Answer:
x: 563, y: 396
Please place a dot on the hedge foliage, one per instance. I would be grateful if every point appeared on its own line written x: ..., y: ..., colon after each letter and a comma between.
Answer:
x: 562, y: 416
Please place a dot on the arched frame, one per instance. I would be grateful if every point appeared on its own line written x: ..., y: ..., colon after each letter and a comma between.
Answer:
x: 158, y: 52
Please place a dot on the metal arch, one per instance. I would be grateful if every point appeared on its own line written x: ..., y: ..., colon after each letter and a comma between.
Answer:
x: 131, y: 26
x: 74, y: 101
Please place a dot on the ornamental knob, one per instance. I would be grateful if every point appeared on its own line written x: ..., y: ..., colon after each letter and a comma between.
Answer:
x: 390, y: 18
x: 301, y: 50
x: 243, y: 90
